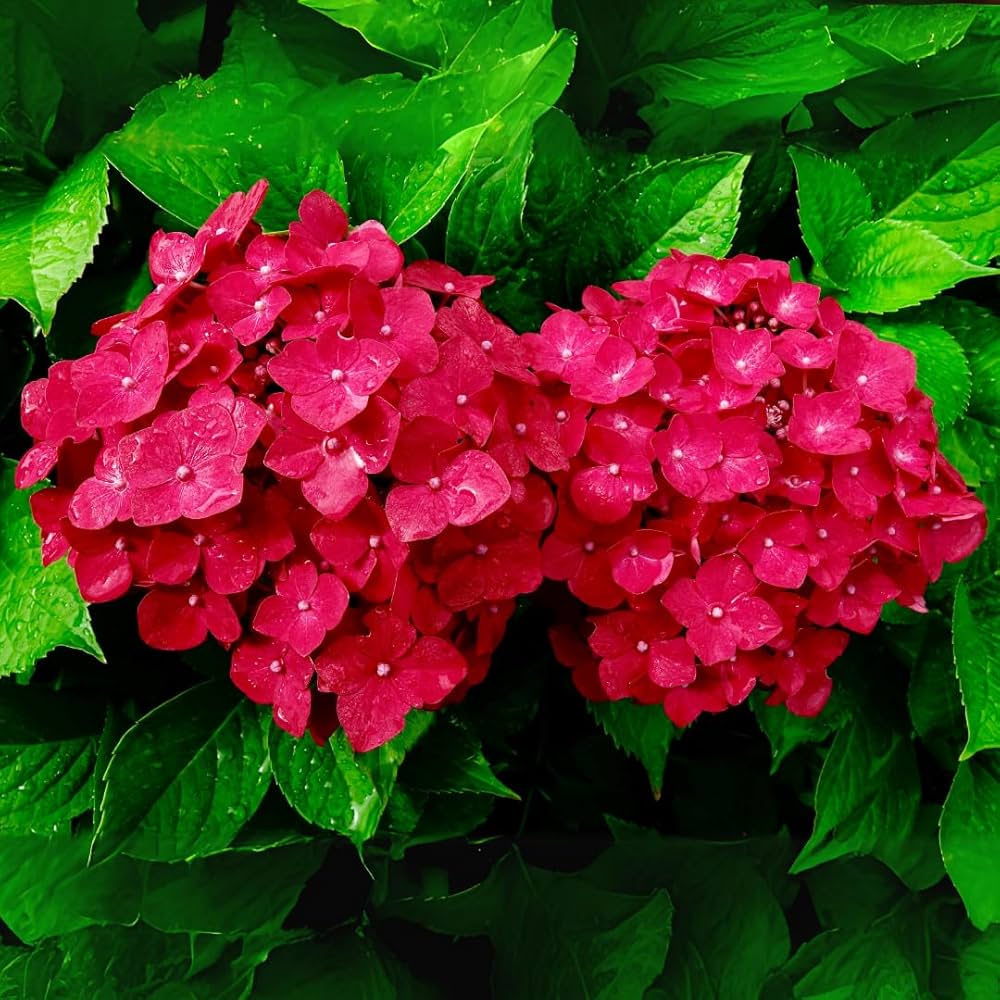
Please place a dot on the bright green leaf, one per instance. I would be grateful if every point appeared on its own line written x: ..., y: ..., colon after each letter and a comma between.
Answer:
x: 970, y: 836
x: 942, y: 367
x: 47, y: 752
x: 555, y: 935
x: 185, y: 778
x: 40, y: 607
x: 47, y: 236
x: 641, y: 731
x: 942, y: 172
x: 867, y: 794
x: 336, y: 788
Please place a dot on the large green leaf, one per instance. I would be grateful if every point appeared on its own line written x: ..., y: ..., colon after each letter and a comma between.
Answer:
x: 47, y: 235
x: 642, y: 731
x: 185, y: 778
x: 47, y: 752
x: 40, y: 607
x: 970, y: 836
x: 867, y: 794
x: 234, y: 892
x: 942, y: 367
x: 555, y: 935
x: 933, y: 695
x: 30, y: 90
x: 945, y: 175
x: 729, y: 931
x: 336, y: 788
x: 879, y: 263
x: 47, y: 889
x: 192, y: 143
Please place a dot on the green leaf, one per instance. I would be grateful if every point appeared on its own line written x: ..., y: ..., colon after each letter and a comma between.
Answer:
x: 689, y: 205
x: 555, y: 935
x: 641, y: 731
x: 729, y: 931
x: 979, y: 965
x: 30, y: 90
x: 47, y: 752
x: 853, y: 892
x: 945, y: 176
x: 977, y: 645
x: 933, y: 695
x: 867, y: 794
x: 185, y: 778
x: 887, y: 265
x: 449, y: 760
x: 336, y: 788
x: 942, y: 367
x: 970, y: 836
x: 234, y: 892
x: 40, y: 607
x: 786, y: 731
x: 963, y: 73
x: 191, y: 144
x: 46, y: 888
x: 47, y: 236
x: 688, y: 53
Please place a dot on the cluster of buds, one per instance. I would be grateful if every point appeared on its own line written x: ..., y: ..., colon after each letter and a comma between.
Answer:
x: 346, y: 470
x: 758, y: 475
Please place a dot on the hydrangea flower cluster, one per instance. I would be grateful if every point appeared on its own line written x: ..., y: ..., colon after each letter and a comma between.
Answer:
x: 346, y: 470
x: 307, y: 451
x: 758, y: 474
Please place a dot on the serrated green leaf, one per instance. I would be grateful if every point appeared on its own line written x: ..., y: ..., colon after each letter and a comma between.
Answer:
x: 185, y: 778
x: 867, y: 795
x: 449, y: 760
x: 942, y: 367
x: 46, y: 888
x: 944, y: 176
x: 47, y: 236
x: 47, y: 753
x: 641, y: 731
x: 970, y: 836
x: 555, y: 935
x: 40, y: 607
x: 832, y: 200
x: 336, y: 788
x: 886, y: 265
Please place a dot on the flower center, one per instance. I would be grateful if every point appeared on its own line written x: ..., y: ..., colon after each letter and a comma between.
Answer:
x: 851, y: 589
x: 337, y: 375
x: 385, y: 330
x: 565, y: 354
x: 562, y: 416
x: 614, y: 469
x: 642, y: 646
x: 588, y: 546
x: 193, y: 601
x: 383, y: 669
x: 461, y: 399
x: 862, y: 380
x: 677, y: 453
x: 374, y: 541
x: 853, y: 470
x: 128, y: 382
x: 259, y: 306
x: 274, y: 666
x: 486, y: 345
x: 741, y: 365
x: 120, y: 543
x: 481, y: 549
x: 633, y: 551
x: 319, y: 315
x: 716, y: 611
x: 617, y: 377
x: 822, y: 533
x: 449, y: 287
x: 331, y: 443
x: 184, y: 473
x: 768, y: 543
x: 303, y: 605
x: 434, y: 482
x: 520, y: 429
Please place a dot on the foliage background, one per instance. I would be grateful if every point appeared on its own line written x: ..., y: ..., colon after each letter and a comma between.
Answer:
x: 159, y: 838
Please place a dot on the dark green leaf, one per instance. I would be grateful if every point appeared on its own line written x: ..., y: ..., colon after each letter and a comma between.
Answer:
x: 234, y: 892
x: 40, y: 607
x: 47, y: 751
x: 867, y: 794
x: 185, y: 778
x: 555, y: 935
x: 30, y: 90
x: 47, y: 235
x: 970, y: 836
x: 47, y: 889
x: 641, y: 731
x: 979, y: 966
x: 449, y: 759
x: 786, y: 732
x: 336, y: 788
